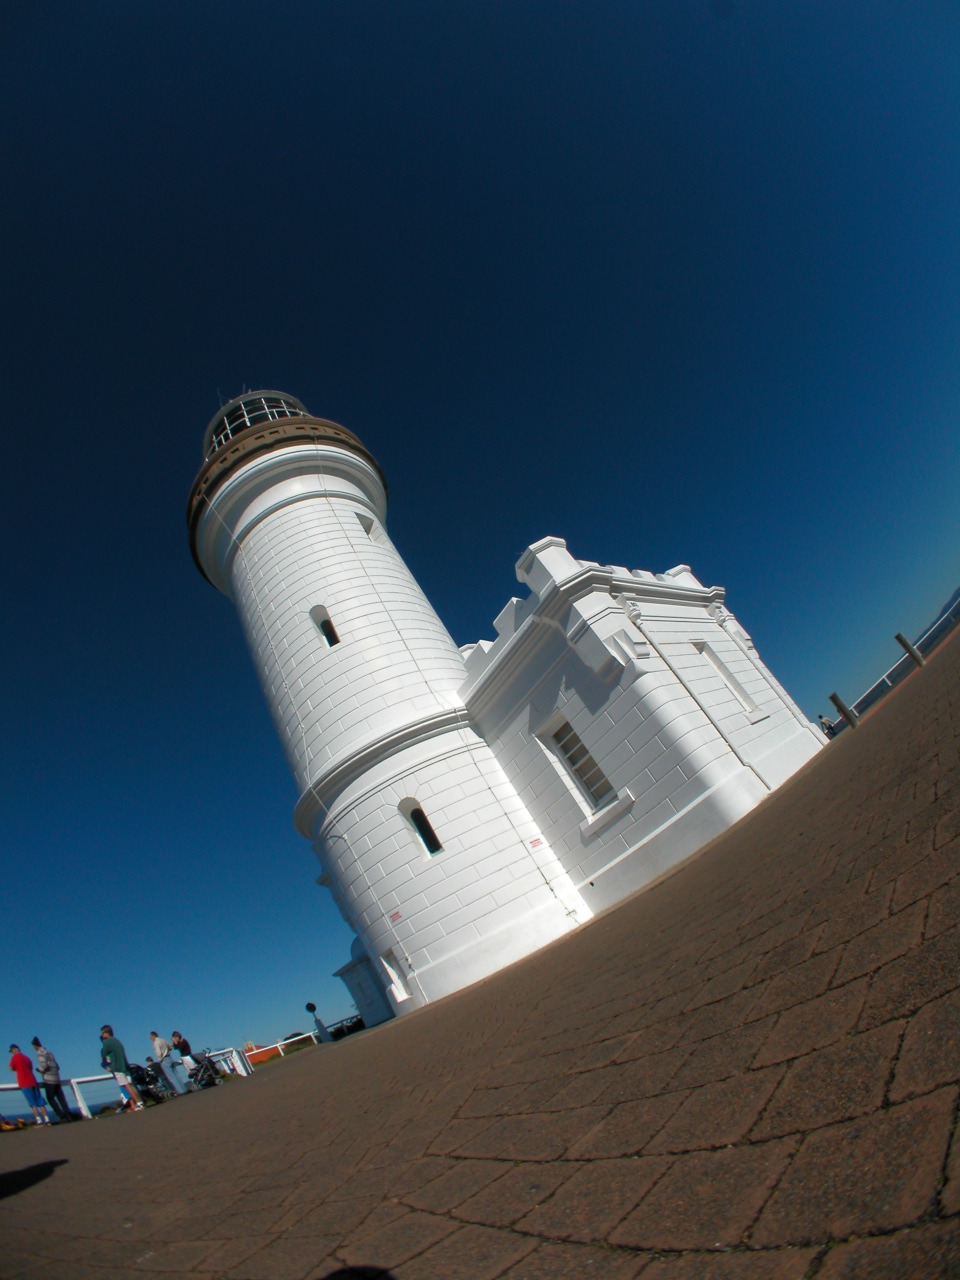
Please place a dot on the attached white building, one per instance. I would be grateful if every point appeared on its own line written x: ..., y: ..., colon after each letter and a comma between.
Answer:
x: 470, y: 806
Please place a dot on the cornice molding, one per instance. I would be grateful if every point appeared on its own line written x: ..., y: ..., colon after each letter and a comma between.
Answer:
x: 322, y: 792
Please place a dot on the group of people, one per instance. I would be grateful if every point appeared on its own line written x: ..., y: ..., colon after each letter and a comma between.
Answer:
x: 27, y: 1082
x: 113, y: 1058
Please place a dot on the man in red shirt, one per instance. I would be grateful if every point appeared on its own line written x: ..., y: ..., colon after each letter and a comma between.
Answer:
x: 22, y: 1068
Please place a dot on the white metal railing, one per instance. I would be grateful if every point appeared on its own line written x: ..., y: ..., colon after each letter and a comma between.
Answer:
x: 904, y: 665
x: 235, y: 1061
x: 341, y: 1026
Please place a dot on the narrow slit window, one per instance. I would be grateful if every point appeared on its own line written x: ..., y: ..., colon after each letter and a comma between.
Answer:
x: 415, y: 815
x: 372, y: 529
x: 583, y: 766
x: 322, y: 621
x: 726, y: 675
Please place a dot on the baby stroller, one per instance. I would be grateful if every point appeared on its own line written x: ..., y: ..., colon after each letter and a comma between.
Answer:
x: 203, y: 1074
x: 149, y: 1083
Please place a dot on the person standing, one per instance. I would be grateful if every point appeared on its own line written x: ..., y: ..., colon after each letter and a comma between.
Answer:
x: 165, y: 1062
x: 49, y: 1070
x: 22, y: 1068
x: 115, y: 1059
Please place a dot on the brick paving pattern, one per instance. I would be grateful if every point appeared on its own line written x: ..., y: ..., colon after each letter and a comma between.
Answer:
x: 749, y: 1072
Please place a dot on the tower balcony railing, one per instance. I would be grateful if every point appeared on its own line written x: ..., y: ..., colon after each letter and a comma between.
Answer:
x: 251, y: 411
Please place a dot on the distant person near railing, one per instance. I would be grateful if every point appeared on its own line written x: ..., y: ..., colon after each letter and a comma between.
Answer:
x: 49, y: 1070
x: 115, y: 1059
x: 22, y: 1068
x: 167, y: 1063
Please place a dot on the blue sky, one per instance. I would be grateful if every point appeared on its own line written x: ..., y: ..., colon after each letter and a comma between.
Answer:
x: 675, y: 281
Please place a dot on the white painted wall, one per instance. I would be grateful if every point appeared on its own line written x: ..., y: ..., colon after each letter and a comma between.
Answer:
x: 663, y: 688
x: 373, y: 725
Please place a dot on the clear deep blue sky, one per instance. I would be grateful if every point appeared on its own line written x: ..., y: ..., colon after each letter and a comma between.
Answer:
x: 679, y: 282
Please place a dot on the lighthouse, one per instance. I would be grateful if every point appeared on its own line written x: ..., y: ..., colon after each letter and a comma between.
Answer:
x: 430, y: 853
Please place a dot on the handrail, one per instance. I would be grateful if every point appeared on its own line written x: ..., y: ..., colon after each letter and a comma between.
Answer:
x: 235, y: 1059
x: 904, y: 664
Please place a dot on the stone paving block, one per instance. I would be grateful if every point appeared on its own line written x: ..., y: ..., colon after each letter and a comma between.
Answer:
x: 456, y: 1133
x: 901, y: 987
x: 395, y: 1243
x: 335, y: 1218
x: 897, y: 857
x: 950, y: 1194
x: 287, y: 1257
x: 936, y: 869
x: 719, y: 1114
x: 947, y: 829
x: 797, y: 985
x: 867, y: 910
x: 840, y: 1082
x: 628, y: 1128
x: 867, y: 1175
x: 231, y: 1253
x: 556, y: 1261
x: 813, y: 1025
x: 722, y: 1015
x: 656, y: 1038
x: 593, y: 1201
x: 886, y: 941
x: 724, y: 984
x: 789, y: 954
x: 503, y: 1202
x: 463, y: 1180
x: 473, y: 1253
x: 772, y: 1264
x: 930, y: 1053
x: 944, y: 909
x: 177, y: 1258
x: 491, y: 1102
x: 546, y: 1135
x: 590, y: 1057
x: 923, y: 1253
x: 724, y: 1055
x: 706, y: 1200
x: 577, y: 1091
x: 417, y: 1173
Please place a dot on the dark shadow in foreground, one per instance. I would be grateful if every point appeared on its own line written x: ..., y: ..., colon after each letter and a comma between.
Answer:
x: 11, y: 1184
x: 361, y: 1273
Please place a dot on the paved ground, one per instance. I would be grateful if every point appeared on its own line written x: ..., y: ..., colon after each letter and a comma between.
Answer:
x: 749, y: 1072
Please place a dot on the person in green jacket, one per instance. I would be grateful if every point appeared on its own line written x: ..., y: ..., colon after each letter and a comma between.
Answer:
x: 114, y: 1059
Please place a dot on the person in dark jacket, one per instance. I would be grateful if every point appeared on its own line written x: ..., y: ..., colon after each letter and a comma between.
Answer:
x: 49, y: 1070
x: 114, y: 1058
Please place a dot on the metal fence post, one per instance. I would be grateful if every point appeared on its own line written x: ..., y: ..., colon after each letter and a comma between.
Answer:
x: 81, y: 1102
x: 914, y: 652
x: 849, y: 715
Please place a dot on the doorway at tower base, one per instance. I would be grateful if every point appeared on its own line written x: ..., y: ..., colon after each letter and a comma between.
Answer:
x: 367, y: 993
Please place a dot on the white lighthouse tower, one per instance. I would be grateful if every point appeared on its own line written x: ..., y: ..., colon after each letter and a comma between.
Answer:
x: 431, y: 855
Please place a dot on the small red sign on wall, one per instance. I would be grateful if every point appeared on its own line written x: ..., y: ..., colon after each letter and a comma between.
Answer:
x: 395, y: 916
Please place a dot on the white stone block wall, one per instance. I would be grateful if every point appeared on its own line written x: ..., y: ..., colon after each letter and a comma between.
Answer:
x: 395, y: 661
x: 373, y: 727
x: 495, y: 889
x: 665, y: 692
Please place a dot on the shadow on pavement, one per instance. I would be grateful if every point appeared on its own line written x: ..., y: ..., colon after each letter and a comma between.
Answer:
x: 11, y: 1184
x: 360, y: 1273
